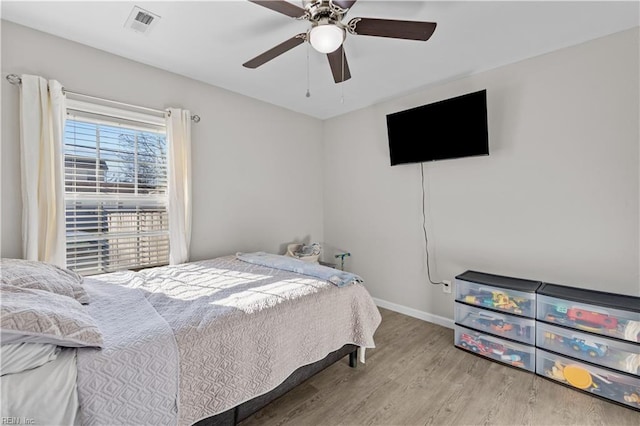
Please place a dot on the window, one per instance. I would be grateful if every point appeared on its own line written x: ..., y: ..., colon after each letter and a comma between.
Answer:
x: 115, y: 189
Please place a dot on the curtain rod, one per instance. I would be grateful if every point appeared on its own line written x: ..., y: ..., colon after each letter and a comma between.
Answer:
x: 16, y: 80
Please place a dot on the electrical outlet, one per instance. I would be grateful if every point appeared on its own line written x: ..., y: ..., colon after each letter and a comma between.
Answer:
x: 446, y: 286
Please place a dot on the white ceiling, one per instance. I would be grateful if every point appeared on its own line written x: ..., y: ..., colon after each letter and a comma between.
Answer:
x: 210, y: 40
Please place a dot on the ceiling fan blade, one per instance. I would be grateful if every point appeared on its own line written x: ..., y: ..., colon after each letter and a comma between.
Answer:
x: 339, y: 65
x: 283, y: 7
x: 276, y: 51
x: 408, y: 30
x: 344, y: 4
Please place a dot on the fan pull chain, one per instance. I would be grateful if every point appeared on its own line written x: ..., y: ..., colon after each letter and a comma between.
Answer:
x: 308, y: 94
x: 342, y: 82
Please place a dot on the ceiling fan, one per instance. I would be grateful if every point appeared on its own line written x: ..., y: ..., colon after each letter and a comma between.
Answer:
x: 328, y: 32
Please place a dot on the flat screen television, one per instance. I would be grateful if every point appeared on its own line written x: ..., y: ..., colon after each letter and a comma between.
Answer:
x: 452, y: 128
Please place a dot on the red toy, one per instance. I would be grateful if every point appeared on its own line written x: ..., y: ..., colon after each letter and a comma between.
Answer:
x: 595, y: 319
x: 469, y: 342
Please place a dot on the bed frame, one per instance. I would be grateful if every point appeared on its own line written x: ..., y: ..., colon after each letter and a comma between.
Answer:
x: 246, y: 409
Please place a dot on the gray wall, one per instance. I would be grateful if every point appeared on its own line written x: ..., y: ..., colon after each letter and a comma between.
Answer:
x: 556, y: 200
x: 246, y: 154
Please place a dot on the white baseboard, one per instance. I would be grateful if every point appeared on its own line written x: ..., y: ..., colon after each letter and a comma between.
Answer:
x: 415, y: 313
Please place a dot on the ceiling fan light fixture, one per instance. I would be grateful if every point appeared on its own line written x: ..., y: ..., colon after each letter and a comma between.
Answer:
x: 326, y: 38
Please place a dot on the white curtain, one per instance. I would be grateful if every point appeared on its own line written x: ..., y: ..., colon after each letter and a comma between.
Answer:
x: 179, y: 174
x: 42, y: 117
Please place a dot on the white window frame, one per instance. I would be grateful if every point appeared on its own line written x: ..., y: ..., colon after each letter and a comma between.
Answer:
x: 141, y: 211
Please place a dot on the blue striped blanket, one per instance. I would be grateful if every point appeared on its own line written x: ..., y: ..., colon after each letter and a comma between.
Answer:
x: 285, y: 263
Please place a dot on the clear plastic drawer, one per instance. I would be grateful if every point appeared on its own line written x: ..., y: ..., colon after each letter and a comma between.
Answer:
x: 592, y: 318
x: 610, y: 353
x: 502, y: 325
x: 495, y: 348
x: 498, y: 298
x: 618, y: 387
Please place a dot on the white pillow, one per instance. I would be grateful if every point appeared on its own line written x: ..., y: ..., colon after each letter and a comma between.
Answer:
x: 43, y: 276
x: 30, y: 315
x: 18, y: 357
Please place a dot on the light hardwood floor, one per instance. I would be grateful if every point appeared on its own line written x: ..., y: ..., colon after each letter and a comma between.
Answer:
x: 416, y: 376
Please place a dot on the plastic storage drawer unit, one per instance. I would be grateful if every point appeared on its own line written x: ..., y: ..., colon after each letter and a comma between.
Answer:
x: 616, y: 354
x: 612, y: 315
x: 618, y: 387
x: 506, y: 294
x: 503, y: 325
x: 495, y: 348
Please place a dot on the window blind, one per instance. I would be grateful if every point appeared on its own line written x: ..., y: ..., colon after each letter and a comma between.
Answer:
x: 115, y: 191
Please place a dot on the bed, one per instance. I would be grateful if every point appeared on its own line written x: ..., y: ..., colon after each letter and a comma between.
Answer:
x: 205, y: 343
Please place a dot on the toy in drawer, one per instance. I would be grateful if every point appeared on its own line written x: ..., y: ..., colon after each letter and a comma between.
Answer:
x: 503, y: 325
x: 618, y: 387
x: 506, y: 294
x: 495, y: 348
x: 510, y: 301
x: 598, y: 319
x: 610, y: 353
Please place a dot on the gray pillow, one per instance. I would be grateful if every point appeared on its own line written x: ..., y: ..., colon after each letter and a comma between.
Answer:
x: 18, y: 357
x: 43, y: 276
x: 39, y: 316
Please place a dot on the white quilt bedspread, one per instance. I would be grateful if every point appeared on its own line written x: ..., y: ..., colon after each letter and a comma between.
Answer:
x: 241, y: 329
x: 134, y: 379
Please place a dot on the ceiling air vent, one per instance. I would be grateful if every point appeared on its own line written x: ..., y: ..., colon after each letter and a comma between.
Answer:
x: 141, y: 21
